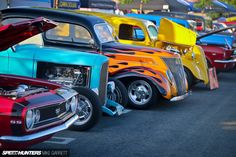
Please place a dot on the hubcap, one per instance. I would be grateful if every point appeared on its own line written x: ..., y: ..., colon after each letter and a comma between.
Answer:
x: 84, y: 110
x: 115, y: 96
x: 140, y: 92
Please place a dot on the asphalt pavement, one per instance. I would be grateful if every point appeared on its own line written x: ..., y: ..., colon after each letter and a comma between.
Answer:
x: 202, y: 125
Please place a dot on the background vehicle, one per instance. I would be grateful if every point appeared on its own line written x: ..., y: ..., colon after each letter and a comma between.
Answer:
x: 66, y: 67
x: 211, y: 45
x: 24, y: 119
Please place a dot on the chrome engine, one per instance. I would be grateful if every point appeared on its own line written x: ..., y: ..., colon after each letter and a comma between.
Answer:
x: 21, y: 91
x: 68, y: 75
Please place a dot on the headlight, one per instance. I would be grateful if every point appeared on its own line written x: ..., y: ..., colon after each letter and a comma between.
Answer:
x: 29, y: 120
x: 73, y: 103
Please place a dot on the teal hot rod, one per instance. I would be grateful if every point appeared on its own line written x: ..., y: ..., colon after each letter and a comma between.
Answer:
x: 85, y: 72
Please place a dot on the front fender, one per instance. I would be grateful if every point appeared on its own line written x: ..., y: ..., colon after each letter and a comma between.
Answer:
x: 161, y: 83
x: 197, y: 65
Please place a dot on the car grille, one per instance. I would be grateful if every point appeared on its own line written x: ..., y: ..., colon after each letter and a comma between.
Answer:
x: 176, y: 67
x: 103, y: 83
x: 52, y: 113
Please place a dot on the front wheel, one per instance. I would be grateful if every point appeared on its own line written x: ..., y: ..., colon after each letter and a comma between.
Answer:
x: 89, y: 110
x: 142, y: 94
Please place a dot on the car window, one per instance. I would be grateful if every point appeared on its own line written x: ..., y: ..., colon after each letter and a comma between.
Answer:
x: 103, y: 32
x: 130, y: 32
x: 69, y: 33
x: 152, y: 32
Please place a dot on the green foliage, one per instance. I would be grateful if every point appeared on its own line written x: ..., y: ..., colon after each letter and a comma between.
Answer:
x: 231, y: 2
x: 203, y: 4
x: 131, y: 1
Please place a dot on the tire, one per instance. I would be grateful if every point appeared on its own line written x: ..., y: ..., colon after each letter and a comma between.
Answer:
x: 89, y: 102
x: 189, y: 77
x: 120, y: 94
x: 149, y: 91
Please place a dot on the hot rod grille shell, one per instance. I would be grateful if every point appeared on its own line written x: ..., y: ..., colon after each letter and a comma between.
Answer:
x: 103, y: 83
x: 176, y: 67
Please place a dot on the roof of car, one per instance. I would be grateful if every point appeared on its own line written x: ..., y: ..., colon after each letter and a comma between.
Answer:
x: 47, y: 12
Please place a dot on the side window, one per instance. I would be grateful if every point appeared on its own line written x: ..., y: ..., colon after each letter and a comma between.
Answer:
x: 61, y: 32
x: 69, y: 33
x: 130, y: 32
x: 82, y: 34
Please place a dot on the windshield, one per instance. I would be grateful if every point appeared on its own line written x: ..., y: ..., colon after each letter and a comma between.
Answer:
x: 152, y: 32
x: 103, y: 33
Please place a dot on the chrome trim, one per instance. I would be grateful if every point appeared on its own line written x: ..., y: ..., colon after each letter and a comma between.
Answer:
x: 181, y: 97
x: 226, y: 61
x: 42, y: 133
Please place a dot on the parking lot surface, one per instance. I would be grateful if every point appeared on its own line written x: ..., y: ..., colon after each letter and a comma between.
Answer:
x: 202, y: 125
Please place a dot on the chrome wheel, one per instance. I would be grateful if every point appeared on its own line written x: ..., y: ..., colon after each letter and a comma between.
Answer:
x: 115, y: 96
x: 84, y: 110
x: 140, y: 92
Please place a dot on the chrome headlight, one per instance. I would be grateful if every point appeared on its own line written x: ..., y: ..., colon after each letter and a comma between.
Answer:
x: 29, y: 120
x: 73, y: 103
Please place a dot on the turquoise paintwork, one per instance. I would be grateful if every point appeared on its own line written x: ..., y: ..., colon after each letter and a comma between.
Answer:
x: 24, y: 60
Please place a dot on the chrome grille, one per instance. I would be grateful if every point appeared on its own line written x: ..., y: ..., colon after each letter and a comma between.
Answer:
x: 103, y: 83
x: 176, y: 67
x: 52, y: 113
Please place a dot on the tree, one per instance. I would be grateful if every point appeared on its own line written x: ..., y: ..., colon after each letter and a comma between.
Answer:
x: 203, y: 4
x: 231, y: 2
x: 131, y: 1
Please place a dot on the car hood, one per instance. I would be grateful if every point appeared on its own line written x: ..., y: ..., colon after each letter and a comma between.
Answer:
x: 63, y: 56
x: 218, y: 39
x: 12, y: 34
x: 114, y: 47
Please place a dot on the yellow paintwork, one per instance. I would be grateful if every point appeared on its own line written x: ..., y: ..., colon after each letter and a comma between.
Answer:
x: 231, y: 19
x: 170, y: 34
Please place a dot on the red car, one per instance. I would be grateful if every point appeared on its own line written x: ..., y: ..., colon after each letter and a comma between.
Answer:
x: 218, y: 49
x: 31, y: 110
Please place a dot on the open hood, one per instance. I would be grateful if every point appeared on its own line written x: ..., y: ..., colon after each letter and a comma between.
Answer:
x: 12, y: 34
x: 214, y: 32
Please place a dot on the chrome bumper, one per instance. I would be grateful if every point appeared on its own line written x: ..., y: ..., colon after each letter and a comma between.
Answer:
x: 226, y: 61
x: 41, y: 133
x: 181, y: 97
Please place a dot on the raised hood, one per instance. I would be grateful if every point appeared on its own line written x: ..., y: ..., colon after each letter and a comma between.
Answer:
x: 12, y: 34
x: 212, y: 38
x: 173, y: 33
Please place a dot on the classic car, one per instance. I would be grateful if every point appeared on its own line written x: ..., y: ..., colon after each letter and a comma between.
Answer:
x: 218, y: 49
x: 84, y: 72
x: 216, y: 55
x: 192, y: 56
x: 31, y: 110
x: 144, y: 80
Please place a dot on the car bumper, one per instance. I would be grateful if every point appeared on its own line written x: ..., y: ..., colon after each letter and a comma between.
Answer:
x: 41, y: 133
x: 226, y: 61
x: 181, y: 97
